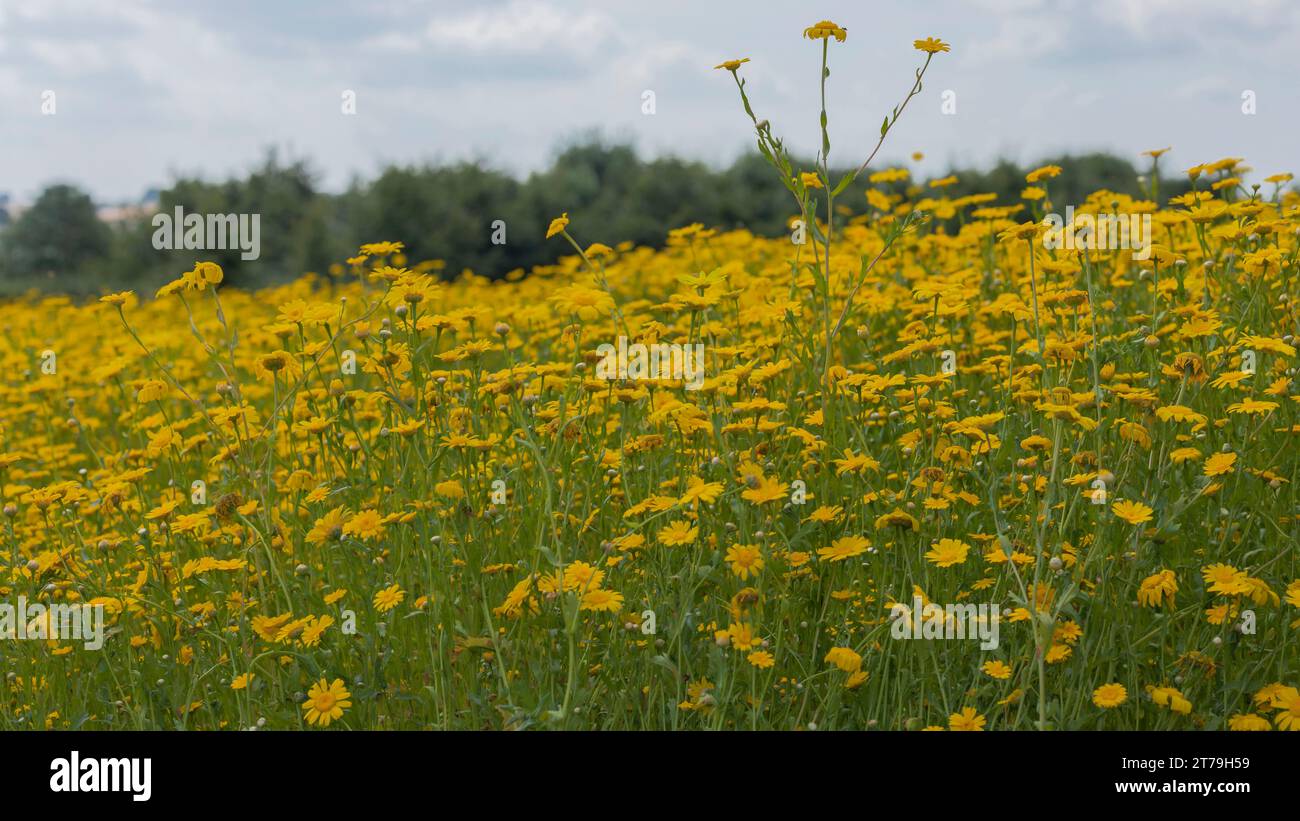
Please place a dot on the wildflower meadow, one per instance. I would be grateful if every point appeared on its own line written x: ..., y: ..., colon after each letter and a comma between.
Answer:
x: 920, y: 462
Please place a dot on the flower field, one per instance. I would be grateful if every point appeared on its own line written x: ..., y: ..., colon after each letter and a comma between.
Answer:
x: 388, y: 499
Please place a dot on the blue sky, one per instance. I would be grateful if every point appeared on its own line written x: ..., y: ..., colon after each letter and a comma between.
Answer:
x: 146, y: 90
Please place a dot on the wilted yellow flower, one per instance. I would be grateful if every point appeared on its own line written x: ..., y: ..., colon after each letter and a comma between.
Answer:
x: 825, y: 29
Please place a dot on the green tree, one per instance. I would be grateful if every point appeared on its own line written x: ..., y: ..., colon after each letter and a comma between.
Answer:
x: 450, y: 212
x: 58, y: 239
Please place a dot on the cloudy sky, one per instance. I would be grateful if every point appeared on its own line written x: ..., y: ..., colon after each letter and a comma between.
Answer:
x: 146, y: 90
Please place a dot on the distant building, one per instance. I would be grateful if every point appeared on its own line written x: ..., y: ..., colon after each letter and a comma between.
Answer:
x: 114, y: 214
x: 123, y: 212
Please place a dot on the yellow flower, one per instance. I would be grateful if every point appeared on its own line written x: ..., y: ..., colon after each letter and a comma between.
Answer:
x: 1135, y: 513
x: 1025, y: 230
x: 151, y: 391
x: 930, y: 45
x: 118, y: 298
x: 366, y: 525
x: 574, y: 576
x: 845, y: 547
x: 175, y: 286
x: 450, y: 489
x: 768, y: 489
x: 1254, y: 407
x: 1293, y: 593
x: 810, y: 180
x: 1109, y: 696
x: 312, y: 632
x: 742, y: 637
x: 732, y: 65
x: 996, y: 669
x: 679, y: 532
x: 587, y: 303
x: 1035, y: 442
x: 388, y: 598
x: 845, y: 659
x: 966, y: 721
x: 1288, y: 717
x: 745, y: 559
x: 557, y: 225
x: 698, y: 490
x: 207, y: 273
x: 825, y: 29
x: 1226, y: 579
x: 1219, y: 464
x: 948, y: 552
x: 899, y: 519
x: 1246, y: 722
x: 1058, y: 653
x: 1171, y: 698
x: 1158, y: 587
x: 272, y: 364
x: 381, y: 249
x: 825, y: 514
x: 602, y: 600
x: 326, y: 702
x: 1045, y: 172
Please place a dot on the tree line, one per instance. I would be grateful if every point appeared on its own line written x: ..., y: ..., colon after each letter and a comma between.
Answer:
x: 448, y: 212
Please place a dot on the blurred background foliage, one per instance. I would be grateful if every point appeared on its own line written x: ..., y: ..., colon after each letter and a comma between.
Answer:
x: 446, y: 212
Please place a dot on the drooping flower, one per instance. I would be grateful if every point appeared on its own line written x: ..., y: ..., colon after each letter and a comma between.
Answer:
x: 825, y: 29
x: 845, y: 659
x: 557, y: 225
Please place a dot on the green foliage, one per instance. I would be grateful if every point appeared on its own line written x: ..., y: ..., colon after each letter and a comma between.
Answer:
x: 58, y: 235
x: 447, y: 212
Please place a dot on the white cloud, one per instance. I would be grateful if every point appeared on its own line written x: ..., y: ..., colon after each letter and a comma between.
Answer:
x: 1201, y: 87
x: 1018, y: 39
x: 170, y: 84
x: 77, y: 57
x: 520, y: 27
x: 1009, y: 6
x: 1144, y: 16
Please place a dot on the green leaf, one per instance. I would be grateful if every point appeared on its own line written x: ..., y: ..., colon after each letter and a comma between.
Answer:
x: 844, y: 182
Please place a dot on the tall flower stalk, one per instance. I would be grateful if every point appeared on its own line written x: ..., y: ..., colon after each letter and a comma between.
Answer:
x: 802, y: 185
